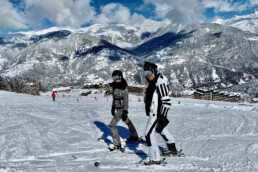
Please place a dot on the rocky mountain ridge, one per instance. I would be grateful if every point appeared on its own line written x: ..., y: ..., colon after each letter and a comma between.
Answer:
x: 210, y: 55
x: 246, y: 22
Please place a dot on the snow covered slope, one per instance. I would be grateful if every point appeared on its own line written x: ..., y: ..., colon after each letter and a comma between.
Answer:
x: 37, y: 134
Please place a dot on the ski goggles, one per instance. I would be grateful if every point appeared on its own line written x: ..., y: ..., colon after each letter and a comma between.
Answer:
x: 116, y: 77
x: 148, y: 72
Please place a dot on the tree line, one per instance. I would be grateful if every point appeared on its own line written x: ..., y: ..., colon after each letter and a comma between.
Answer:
x: 21, y: 85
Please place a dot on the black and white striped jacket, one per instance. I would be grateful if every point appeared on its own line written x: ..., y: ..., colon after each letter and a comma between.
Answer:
x: 157, y: 96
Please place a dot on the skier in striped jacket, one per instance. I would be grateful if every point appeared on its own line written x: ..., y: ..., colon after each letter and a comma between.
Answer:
x: 157, y: 105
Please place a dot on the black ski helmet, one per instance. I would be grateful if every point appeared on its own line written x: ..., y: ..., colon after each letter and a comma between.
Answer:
x: 150, y: 66
x: 117, y: 73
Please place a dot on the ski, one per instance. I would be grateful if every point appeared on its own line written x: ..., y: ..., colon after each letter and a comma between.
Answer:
x: 126, y: 150
x: 140, y: 140
x: 137, y: 152
x: 142, y: 162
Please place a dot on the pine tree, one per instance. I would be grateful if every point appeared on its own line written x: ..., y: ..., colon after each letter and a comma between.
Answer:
x: 4, y: 84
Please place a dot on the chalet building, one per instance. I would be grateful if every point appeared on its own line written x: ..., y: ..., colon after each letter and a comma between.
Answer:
x: 137, y: 90
x: 254, y: 100
x: 234, y: 97
x: 216, y: 95
x: 197, y: 95
x: 203, y: 94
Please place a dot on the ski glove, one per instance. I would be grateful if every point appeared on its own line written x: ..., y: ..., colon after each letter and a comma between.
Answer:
x: 113, y: 111
x: 162, y: 123
x: 124, y: 115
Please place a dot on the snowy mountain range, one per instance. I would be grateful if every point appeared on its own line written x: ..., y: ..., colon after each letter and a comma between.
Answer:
x: 245, y: 22
x: 210, y: 55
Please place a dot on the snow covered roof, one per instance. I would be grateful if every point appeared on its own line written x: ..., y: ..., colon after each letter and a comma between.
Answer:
x: 61, y: 88
x: 187, y: 92
x: 198, y: 93
x: 30, y: 83
x: 204, y: 90
x: 255, y: 99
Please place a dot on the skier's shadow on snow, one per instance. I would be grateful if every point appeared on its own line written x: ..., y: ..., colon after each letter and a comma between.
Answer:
x: 124, y: 133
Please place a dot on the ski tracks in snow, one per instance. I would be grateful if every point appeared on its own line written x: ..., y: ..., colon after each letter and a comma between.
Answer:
x: 223, y: 135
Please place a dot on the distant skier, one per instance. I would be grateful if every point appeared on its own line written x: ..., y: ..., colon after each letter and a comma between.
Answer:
x: 120, y: 109
x: 157, y: 104
x: 53, y: 96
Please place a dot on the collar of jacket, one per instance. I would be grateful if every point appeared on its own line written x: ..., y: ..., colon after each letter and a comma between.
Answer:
x: 121, y: 85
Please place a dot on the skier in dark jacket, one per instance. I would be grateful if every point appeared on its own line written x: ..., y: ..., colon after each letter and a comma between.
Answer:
x: 157, y: 104
x: 120, y: 109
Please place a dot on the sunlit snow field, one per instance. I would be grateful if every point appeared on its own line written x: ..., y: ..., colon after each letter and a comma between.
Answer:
x: 37, y: 134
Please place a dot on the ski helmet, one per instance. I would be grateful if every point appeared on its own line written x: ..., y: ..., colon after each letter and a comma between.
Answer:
x: 117, y: 74
x: 150, y: 68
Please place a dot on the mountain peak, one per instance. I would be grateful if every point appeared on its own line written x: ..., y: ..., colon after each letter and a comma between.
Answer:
x: 255, y: 11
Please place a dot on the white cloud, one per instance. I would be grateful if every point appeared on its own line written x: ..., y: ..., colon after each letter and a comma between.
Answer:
x: 218, y: 20
x: 189, y: 12
x: 226, y: 5
x: 254, y: 2
x: 62, y: 13
x: 117, y: 13
x: 178, y: 11
x: 75, y: 13
x: 72, y: 13
x: 10, y: 17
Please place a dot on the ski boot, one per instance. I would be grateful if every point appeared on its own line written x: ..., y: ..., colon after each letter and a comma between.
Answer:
x: 114, y: 147
x: 171, y: 150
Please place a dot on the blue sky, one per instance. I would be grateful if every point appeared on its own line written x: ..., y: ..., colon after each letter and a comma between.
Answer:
x: 20, y: 15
